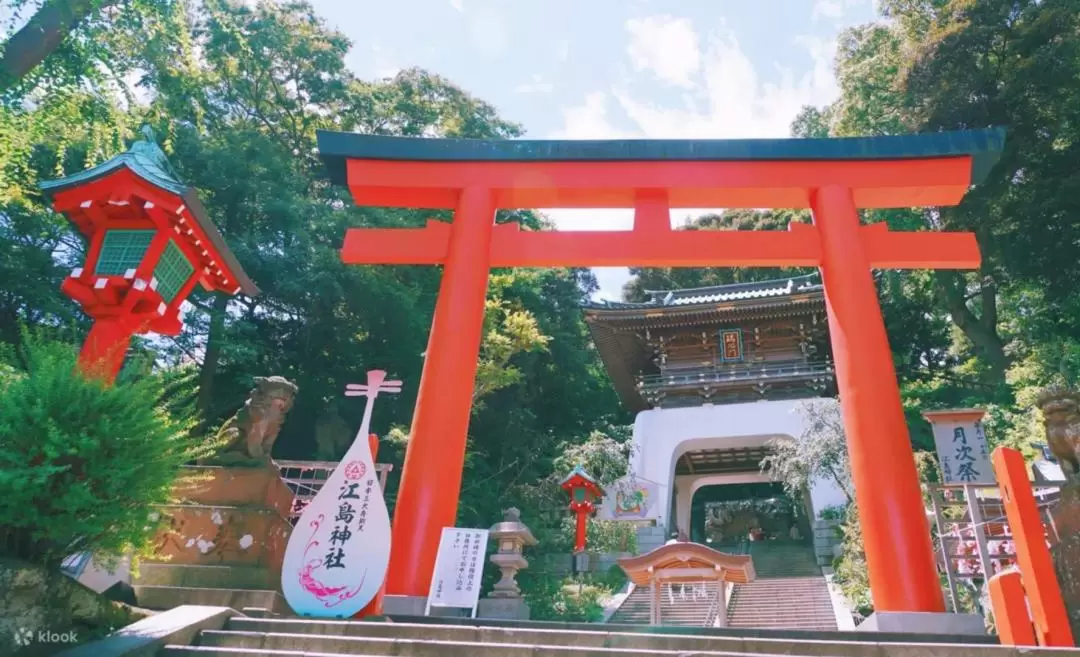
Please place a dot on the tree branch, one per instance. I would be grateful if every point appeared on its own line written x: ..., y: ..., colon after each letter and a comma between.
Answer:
x: 42, y: 35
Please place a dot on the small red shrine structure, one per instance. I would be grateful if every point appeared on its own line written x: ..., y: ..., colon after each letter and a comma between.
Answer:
x: 584, y: 492
x: 150, y: 244
x: 687, y: 563
x: 834, y: 178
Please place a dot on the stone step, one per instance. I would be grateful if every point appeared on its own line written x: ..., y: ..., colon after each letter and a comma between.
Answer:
x: 398, y: 638
x: 257, y: 643
x: 168, y: 597
x: 791, y: 603
x: 228, y: 577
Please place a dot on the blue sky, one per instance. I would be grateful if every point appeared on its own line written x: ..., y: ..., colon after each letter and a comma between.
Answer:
x: 614, y: 68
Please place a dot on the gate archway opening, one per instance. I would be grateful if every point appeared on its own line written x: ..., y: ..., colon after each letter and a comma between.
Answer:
x: 834, y: 178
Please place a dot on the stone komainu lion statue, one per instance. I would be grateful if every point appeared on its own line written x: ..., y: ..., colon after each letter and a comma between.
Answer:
x: 1060, y: 407
x: 250, y: 434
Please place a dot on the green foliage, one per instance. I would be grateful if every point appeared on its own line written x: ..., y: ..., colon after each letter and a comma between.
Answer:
x: 604, y: 456
x: 852, y: 574
x: 81, y: 464
x: 61, y: 45
x: 834, y: 512
x: 820, y: 453
x: 565, y: 599
x: 957, y: 64
x: 603, y: 536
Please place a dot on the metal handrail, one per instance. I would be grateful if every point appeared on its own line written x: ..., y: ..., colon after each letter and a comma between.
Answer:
x: 725, y: 373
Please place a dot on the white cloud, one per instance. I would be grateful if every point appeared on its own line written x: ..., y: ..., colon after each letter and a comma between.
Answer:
x: 456, y: 4
x: 666, y: 46
x: 562, y: 50
x: 836, y: 9
x: 384, y: 64
x: 732, y: 101
x: 590, y: 120
x: 726, y: 99
x: 537, y: 85
x: 489, y: 32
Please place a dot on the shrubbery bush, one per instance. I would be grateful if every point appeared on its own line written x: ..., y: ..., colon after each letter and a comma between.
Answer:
x: 82, y: 463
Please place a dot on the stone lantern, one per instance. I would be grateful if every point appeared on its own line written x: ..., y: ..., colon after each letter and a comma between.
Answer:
x: 510, y: 536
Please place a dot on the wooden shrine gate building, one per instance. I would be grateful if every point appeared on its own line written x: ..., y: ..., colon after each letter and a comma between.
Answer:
x: 834, y: 178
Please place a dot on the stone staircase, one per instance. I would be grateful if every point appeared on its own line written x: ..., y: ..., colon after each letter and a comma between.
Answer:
x: 790, y: 592
x: 687, y: 606
x: 252, y: 637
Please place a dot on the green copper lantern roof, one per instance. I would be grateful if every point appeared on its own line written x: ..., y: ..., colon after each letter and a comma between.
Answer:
x: 147, y: 161
x: 579, y: 472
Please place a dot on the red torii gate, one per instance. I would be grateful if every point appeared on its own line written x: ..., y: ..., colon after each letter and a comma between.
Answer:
x: 832, y: 177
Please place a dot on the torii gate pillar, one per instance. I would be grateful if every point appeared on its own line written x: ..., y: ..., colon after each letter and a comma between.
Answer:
x: 832, y: 177
x: 886, y: 481
x: 431, y: 475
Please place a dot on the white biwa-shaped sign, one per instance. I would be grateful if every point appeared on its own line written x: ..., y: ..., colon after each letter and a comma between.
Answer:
x: 337, y: 556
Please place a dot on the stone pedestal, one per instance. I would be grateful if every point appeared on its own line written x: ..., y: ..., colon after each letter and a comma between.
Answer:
x: 508, y: 564
x: 414, y: 605
x: 227, y: 532
x: 503, y: 609
x: 922, y: 622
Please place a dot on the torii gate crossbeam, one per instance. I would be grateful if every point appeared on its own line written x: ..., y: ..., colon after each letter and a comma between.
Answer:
x: 831, y: 177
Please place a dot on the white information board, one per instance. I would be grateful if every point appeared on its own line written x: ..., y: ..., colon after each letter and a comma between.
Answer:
x: 961, y: 446
x: 459, y: 567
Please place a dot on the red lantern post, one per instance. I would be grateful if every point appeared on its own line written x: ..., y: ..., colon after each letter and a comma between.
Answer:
x: 584, y: 491
x: 150, y: 243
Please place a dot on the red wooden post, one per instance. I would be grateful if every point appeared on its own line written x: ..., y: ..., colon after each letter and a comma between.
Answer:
x: 1032, y: 554
x: 427, y: 498
x: 882, y: 466
x: 581, y: 522
x: 1009, y: 603
x: 375, y: 607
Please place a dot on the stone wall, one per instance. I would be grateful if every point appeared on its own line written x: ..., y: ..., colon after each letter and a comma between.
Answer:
x: 563, y: 564
x: 1066, y: 557
x: 826, y: 541
x: 650, y: 538
x: 42, y: 611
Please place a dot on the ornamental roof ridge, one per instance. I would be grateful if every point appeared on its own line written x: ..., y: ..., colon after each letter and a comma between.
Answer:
x: 733, y: 287
x: 732, y: 292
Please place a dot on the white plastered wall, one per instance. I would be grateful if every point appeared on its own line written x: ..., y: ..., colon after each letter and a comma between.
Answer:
x: 661, y: 436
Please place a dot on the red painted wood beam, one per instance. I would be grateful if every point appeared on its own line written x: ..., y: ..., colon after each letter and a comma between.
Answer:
x: 798, y: 247
x: 754, y: 184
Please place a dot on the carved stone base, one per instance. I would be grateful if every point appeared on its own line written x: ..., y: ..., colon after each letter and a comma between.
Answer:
x: 230, y: 517
x: 1066, y: 554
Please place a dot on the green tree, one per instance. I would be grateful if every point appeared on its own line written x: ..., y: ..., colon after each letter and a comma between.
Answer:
x: 56, y: 44
x: 667, y: 278
x: 82, y: 464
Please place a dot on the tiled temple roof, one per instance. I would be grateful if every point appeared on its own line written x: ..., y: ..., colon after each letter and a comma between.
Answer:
x: 717, y: 293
